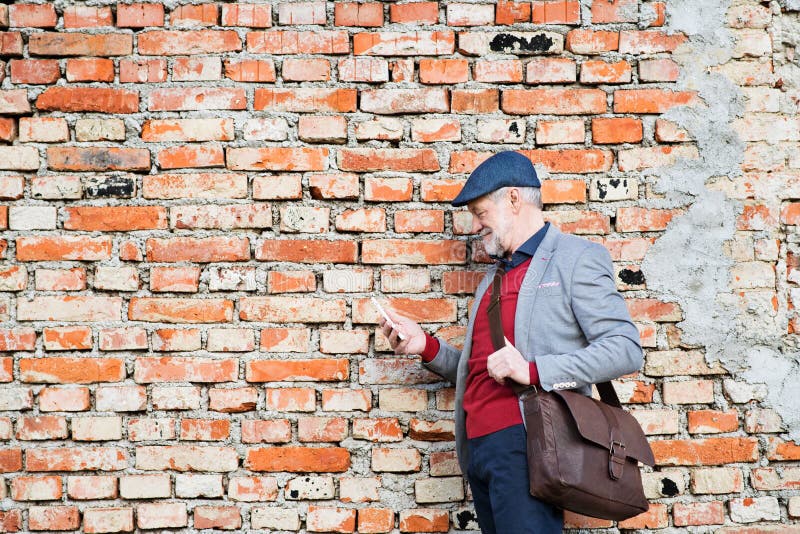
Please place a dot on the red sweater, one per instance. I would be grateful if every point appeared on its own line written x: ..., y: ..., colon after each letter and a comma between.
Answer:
x: 490, y: 406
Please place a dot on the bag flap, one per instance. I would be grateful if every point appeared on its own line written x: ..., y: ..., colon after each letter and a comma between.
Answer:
x: 592, y: 426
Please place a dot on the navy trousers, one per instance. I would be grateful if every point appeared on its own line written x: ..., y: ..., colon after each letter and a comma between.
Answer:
x: 498, y: 477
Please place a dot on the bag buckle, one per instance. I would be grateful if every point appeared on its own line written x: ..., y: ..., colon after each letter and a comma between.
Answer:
x: 616, y: 459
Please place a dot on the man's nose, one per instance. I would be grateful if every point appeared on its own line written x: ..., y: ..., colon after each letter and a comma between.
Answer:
x: 476, y: 225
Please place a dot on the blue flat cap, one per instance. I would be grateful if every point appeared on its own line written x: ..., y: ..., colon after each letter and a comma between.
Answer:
x: 504, y: 169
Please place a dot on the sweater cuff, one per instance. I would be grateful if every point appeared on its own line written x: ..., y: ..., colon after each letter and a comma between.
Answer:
x: 534, y: 374
x: 431, y: 349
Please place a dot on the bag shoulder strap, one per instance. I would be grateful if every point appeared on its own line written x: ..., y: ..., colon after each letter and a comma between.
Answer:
x: 605, y: 389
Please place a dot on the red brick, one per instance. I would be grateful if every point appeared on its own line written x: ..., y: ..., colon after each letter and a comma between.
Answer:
x: 655, y: 517
x: 221, y: 517
x: 80, y: 44
x: 204, y: 429
x: 53, y: 518
x: 142, y: 71
x: 420, y: 43
x: 497, y: 71
x: 307, y: 251
x: 268, y: 431
x: 115, y: 219
x: 651, y: 100
x: 291, y: 281
x: 67, y: 338
x: 419, y: 221
x: 298, y: 459
x: 177, y: 279
x: 589, y: 42
x: 698, y: 513
x: 10, y: 460
x: 474, y: 101
x: 179, y: 369
x: 443, y: 71
x: 87, y: 17
x: 322, y: 429
x: 76, y: 459
x: 648, y: 42
x: 32, y: 16
x: 46, y: 488
x: 194, y: 15
x: 294, y: 42
x: 358, y: 14
x: 616, y: 130
x: 17, y: 339
x: 299, y: 70
x: 394, y: 159
x: 98, y: 159
x: 248, y: 15
x: 43, y: 427
x: 375, y: 520
x: 635, y: 219
x: 563, y: 191
x: 67, y: 399
x: 285, y: 339
x: 561, y: 12
x: 184, y: 310
x: 424, y: 520
x: 34, y: 71
x: 197, y: 98
x: 196, y: 185
x: 189, y: 69
x: 201, y: 250
x: 601, y: 72
x: 8, y: 129
x: 140, y: 15
x: 176, y: 43
x: 712, y: 421
x: 415, y: 13
x: 389, y: 251
x: 653, y: 310
x: 790, y: 214
x: 52, y: 370
x: 89, y: 99
x: 45, y: 248
x: 61, y: 279
x: 250, y: 70
x: 658, y: 70
x: 554, y: 101
x: 305, y: 100
x: 711, y: 451
x: 191, y: 156
x: 10, y: 44
x: 90, y: 70
x: 278, y: 159
x: 316, y: 370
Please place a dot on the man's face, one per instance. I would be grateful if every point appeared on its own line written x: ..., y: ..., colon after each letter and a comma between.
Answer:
x: 492, y: 220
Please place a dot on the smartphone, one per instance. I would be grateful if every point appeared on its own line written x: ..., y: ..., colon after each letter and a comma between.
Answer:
x: 385, y: 316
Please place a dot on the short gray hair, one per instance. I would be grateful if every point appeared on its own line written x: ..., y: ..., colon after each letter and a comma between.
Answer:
x: 529, y: 195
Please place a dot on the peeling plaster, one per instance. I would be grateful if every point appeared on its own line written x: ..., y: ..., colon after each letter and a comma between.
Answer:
x: 688, y: 264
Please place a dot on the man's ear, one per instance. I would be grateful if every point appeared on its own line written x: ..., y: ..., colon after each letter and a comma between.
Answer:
x: 514, y: 198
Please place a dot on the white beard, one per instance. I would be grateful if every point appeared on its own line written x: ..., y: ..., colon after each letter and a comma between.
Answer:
x: 494, y: 245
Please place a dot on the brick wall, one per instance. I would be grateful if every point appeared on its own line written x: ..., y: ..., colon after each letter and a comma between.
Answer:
x: 198, y: 200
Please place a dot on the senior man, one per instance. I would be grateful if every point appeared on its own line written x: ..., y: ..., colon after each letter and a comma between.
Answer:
x: 566, y: 327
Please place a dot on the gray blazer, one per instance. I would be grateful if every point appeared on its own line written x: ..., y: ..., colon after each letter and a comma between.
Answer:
x: 570, y: 320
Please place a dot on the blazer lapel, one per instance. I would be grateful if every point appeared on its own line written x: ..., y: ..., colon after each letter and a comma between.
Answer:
x: 530, y: 287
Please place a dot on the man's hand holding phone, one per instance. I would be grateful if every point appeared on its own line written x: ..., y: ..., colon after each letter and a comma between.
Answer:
x: 404, y: 335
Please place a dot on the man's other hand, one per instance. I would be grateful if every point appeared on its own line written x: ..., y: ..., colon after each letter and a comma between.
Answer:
x: 508, y: 363
x: 414, y: 342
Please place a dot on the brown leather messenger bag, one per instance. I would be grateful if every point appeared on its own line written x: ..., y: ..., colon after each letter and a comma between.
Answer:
x: 583, y: 453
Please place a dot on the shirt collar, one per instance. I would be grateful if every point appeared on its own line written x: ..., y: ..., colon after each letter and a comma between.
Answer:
x: 525, y: 251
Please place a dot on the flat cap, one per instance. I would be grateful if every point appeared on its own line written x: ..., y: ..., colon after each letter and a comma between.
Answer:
x: 504, y: 169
